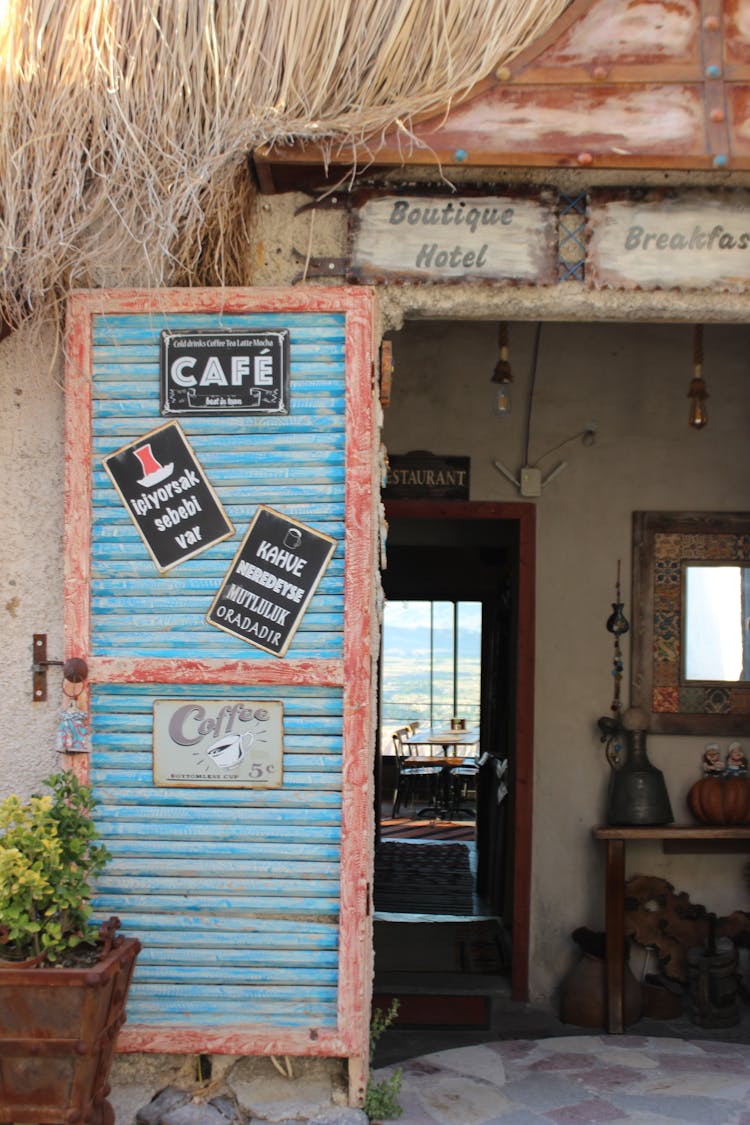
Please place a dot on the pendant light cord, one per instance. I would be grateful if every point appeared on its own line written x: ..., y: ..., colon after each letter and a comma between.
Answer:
x: 532, y: 383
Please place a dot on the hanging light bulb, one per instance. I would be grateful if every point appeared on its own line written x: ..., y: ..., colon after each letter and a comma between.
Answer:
x: 698, y: 394
x: 502, y: 376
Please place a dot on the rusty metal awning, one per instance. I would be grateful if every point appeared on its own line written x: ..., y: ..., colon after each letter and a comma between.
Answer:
x: 640, y: 84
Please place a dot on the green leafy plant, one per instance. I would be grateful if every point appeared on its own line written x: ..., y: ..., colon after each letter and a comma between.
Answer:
x: 381, y: 1098
x: 48, y: 857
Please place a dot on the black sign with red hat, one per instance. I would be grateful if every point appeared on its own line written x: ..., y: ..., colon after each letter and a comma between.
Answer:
x: 167, y: 496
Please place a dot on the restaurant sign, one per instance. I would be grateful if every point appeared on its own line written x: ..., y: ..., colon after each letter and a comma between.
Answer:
x: 215, y: 372
x: 424, y: 476
x: 173, y: 506
x: 271, y: 580
x: 699, y: 240
x: 218, y: 743
x: 461, y: 238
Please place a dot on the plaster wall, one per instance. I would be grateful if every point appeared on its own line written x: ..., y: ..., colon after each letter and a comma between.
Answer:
x: 31, y: 571
x: 630, y: 382
x: 621, y: 361
x: 602, y: 362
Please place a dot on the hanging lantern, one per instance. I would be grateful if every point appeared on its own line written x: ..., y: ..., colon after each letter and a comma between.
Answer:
x: 502, y: 376
x: 698, y: 394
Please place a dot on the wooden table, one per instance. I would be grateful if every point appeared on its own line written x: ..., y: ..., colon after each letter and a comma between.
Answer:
x: 693, y: 838
x: 443, y: 737
x: 448, y: 740
x: 444, y: 806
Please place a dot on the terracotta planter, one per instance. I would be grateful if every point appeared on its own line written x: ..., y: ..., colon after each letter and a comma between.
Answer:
x: 58, y: 1029
x: 583, y: 994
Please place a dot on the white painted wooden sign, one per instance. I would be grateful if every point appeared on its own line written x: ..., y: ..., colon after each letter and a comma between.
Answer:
x: 699, y: 240
x: 460, y: 238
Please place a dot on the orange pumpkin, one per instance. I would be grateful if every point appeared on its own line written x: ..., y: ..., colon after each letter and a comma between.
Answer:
x: 720, y: 800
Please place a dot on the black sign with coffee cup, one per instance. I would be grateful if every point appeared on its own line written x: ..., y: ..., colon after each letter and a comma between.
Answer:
x: 271, y: 580
x: 167, y: 496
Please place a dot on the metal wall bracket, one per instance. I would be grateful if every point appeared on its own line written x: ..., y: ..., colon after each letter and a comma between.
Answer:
x: 318, y: 267
x: 75, y: 670
x: 325, y: 200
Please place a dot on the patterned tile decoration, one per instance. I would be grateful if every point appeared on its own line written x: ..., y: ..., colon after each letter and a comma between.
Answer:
x: 670, y: 552
x: 572, y: 238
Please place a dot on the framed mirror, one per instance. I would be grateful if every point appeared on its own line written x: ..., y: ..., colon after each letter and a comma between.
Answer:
x: 690, y: 655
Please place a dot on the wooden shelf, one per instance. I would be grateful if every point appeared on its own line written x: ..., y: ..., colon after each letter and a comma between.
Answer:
x: 685, y: 837
x: 675, y: 832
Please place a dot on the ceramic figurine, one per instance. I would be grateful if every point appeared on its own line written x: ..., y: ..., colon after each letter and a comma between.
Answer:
x: 712, y: 763
x: 736, y: 764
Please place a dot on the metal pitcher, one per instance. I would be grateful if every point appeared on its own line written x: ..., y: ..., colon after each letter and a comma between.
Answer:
x: 637, y: 790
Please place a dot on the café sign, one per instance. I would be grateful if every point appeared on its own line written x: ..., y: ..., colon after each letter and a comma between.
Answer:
x: 456, y: 238
x: 697, y: 240
x: 218, y: 743
x: 216, y: 372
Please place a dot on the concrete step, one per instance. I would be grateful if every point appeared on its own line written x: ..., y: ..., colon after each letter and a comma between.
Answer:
x: 444, y: 984
x: 435, y: 1000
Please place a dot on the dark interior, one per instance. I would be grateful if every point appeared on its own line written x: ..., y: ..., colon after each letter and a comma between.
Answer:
x: 461, y: 559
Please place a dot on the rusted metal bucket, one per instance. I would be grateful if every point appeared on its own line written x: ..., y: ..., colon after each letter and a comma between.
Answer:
x: 58, y: 1029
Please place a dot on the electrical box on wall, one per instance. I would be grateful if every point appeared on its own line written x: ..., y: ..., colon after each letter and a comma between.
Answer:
x: 531, y: 481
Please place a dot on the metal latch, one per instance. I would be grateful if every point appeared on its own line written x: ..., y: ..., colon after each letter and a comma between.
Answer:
x: 75, y: 670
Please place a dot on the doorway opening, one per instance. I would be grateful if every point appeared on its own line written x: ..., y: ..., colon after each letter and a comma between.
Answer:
x: 451, y: 890
x: 430, y: 712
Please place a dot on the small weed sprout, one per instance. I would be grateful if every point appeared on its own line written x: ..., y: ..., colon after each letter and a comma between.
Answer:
x: 381, y: 1098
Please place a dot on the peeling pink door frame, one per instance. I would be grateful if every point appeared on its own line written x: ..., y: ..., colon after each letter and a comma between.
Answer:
x: 350, y: 1038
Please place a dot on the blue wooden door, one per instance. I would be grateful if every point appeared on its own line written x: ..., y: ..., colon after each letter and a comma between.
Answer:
x: 252, y: 904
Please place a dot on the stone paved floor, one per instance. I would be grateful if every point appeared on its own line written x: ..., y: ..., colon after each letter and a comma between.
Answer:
x: 579, y: 1080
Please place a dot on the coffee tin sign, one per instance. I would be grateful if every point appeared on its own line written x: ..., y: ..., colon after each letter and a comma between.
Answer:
x: 210, y: 372
x: 218, y: 743
x: 168, y: 498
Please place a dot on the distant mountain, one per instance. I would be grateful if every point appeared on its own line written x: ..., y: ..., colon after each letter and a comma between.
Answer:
x: 402, y: 640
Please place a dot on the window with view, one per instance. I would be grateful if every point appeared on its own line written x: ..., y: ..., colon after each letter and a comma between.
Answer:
x: 431, y: 664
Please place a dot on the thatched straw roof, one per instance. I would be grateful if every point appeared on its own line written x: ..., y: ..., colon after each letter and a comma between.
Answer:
x: 125, y: 124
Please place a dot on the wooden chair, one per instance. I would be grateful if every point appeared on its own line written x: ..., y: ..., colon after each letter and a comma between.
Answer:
x: 409, y: 774
x: 419, y: 749
x: 463, y: 782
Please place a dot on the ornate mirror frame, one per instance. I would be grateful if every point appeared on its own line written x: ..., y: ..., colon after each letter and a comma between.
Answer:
x: 663, y: 542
